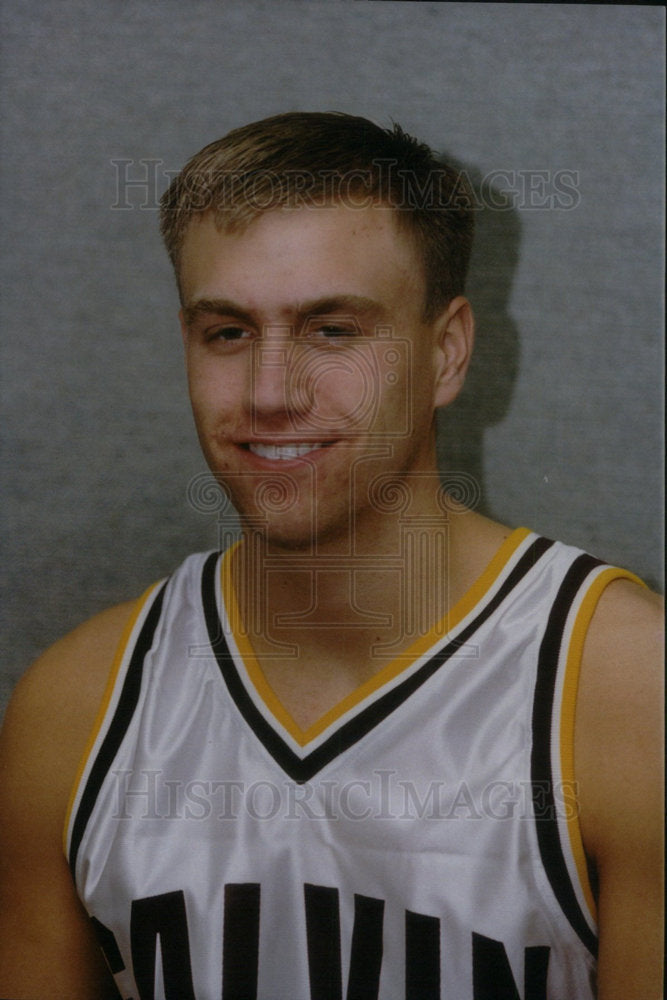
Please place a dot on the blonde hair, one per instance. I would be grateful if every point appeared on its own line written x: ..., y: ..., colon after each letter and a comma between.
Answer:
x: 312, y: 159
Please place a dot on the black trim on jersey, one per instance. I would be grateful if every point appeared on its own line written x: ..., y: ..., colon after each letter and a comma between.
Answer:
x: 118, y: 727
x: 303, y: 769
x: 544, y: 802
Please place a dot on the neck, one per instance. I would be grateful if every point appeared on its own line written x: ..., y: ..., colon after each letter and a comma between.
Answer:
x: 352, y: 601
x: 322, y: 624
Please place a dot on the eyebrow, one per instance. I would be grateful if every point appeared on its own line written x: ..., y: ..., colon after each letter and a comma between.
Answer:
x: 360, y: 305
x: 216, y: 307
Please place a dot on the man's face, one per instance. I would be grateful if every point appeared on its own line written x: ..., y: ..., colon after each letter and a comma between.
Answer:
x: 311, y: 370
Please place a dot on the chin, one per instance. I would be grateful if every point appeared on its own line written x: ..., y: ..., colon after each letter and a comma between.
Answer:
x: 296, y: 533
x: 281, y: 539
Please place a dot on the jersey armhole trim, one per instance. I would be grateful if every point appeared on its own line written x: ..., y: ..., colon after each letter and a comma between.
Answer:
x: 102, y: 712
x: 580, y: 627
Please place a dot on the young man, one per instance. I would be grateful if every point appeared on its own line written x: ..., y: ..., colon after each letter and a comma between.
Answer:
x: 382, y: 745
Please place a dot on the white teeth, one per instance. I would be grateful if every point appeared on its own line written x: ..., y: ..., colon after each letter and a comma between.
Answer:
x: 282, y: 452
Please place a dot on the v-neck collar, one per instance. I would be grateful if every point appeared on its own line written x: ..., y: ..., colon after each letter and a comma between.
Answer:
x: 302, y: 753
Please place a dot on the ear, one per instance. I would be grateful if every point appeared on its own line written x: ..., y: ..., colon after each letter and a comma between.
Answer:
x: 454, y: 338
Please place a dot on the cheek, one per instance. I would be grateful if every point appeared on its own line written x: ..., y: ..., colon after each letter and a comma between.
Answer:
x: 374, y: 390
x: 347, y: 388
x: 213, y: 387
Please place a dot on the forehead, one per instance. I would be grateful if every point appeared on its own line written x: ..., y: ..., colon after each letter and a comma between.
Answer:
x: 302, y: 254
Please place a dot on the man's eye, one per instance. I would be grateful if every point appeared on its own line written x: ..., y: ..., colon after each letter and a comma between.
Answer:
x: 228, y: 334
x: 333, y: 331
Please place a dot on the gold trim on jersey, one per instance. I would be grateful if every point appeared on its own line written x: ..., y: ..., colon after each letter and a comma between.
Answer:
x: 568, y: 712
x: 103, y: 709
x: 463, y: 607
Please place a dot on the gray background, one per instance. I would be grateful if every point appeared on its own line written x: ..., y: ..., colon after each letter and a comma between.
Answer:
x: 561, y: 420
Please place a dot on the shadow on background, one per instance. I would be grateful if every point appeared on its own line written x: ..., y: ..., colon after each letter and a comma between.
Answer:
x: 487, y: 393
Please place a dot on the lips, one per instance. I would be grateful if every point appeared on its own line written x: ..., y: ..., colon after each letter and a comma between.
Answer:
x: 284, y: 452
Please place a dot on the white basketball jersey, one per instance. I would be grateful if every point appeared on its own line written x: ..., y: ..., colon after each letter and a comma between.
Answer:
x: 419, y: 842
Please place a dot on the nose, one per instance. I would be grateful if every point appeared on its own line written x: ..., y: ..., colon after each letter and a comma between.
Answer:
x: 275, y: 395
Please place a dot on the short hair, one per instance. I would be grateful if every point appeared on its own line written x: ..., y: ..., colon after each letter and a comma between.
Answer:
x: 315, y: 159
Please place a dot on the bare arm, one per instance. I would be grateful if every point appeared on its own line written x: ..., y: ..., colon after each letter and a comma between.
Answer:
x: 47, y: 948
x: 618, y: 759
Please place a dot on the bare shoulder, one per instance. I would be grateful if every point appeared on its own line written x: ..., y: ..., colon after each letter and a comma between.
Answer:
x: 620, y: 701
x: 621, y: 685
x: 627, y: 613
x: 618, y: 768
x: 47, y: 947
x: 55, y: 703
x: 51, y: 713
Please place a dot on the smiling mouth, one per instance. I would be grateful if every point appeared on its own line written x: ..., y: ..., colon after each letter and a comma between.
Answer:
x: 283, y: 452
